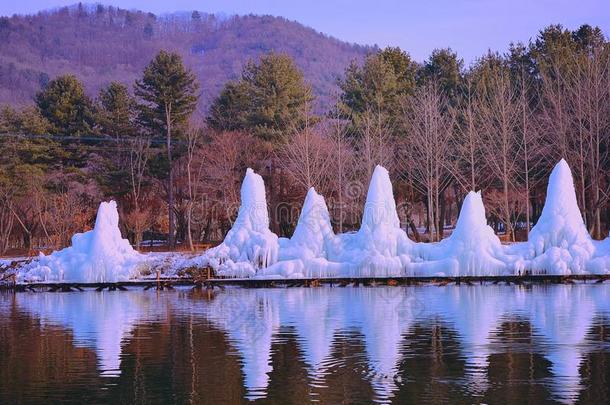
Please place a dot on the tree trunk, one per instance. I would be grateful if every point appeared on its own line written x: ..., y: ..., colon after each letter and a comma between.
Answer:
x: 170, y: 191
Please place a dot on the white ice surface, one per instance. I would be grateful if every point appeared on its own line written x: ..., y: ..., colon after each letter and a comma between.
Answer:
x: 99, y: 255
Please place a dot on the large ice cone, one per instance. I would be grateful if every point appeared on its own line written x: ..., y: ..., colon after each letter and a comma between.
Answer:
x: 249, y: 245
x: 559, y: 242
x: 473, y: 249
x: 99, y: 255
x: 380, y: 247
x: 313, y: 230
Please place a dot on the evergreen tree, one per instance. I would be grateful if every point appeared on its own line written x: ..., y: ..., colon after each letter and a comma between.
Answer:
x: 116, y: 111
x: 168, y: 94
x: 269, y: 99
x: 64, y: 104
x: 445, y: 68
x: 379, y: 84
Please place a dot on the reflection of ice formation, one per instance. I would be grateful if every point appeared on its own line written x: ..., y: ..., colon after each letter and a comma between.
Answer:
x: 561, y: 317
x: 100, y: 255
x: 385, y: 315
x: 474, y: 313
x: 316, y: 317
x: 558, y: 244
x: 98, y: 320
x: 250, y: 318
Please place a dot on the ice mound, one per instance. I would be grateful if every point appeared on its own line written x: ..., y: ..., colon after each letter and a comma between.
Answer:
x: 380, y: 248
x: 473, y: 249
x: 303, y: 255
x: 99, y: 255
x: 249, y: 245
x: 313, y: 231
x: 559, y: 242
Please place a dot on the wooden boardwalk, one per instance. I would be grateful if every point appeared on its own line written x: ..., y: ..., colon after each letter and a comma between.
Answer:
x: 211, y: 283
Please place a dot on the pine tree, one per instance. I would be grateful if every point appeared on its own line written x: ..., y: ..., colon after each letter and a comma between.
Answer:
x: 64, y: 103
x: 168, y: 94
x: 270, y: 98
x: 116, y: 111
x: 377, y: 86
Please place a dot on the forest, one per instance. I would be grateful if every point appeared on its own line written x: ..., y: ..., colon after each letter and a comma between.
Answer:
x: 439, y: 127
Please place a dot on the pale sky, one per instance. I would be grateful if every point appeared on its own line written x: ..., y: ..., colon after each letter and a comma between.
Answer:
x: 470, y: 27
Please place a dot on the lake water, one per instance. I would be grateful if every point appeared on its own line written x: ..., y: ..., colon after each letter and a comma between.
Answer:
x: 458, y: 344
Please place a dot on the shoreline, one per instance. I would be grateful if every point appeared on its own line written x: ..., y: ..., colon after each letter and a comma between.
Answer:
x: 211, y: 283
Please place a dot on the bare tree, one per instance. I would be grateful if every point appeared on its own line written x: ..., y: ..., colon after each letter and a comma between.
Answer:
x: 374, y: 141
x: 591, y: 93
x: 430, y: 127
x: 533, y: 158
x: 557, y: 125
x: 139, y: 154
x: 340, y: 162
x: 499, y: 116
x: 306, y: 157
x: 194, y: 172
x: 468, y: 167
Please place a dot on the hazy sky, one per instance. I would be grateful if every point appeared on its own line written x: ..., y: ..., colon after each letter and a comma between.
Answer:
x: 468, y: 26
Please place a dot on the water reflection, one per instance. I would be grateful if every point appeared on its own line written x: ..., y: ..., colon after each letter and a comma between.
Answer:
x: 456, y: 343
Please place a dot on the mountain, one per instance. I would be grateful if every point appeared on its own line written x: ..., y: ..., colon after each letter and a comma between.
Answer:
x: 100, y: 44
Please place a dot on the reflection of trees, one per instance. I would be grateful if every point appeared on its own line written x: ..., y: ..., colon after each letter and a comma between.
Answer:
x: 41, y: 363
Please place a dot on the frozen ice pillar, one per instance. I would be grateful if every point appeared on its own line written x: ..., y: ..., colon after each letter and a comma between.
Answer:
x: 304, y: 254
x: 380, y: 248
x: 473, y: 249
x: 313, y: 230
x: 559, y: 242
x: 99, y: 255
x: 249, y: 245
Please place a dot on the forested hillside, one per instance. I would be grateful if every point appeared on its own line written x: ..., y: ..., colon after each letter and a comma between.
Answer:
x: 101, y: 44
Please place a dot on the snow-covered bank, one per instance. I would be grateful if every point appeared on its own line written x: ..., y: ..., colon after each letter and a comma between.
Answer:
x: 559, y: 243
x: 99, y: 255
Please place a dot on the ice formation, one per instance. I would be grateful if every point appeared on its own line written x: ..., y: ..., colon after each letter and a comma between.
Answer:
x: 303, y: 254
x: 473, y: 249
x: 249, y: 245
x: 559, y: 242
x: 99, y: 255
x: 380, y: 248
